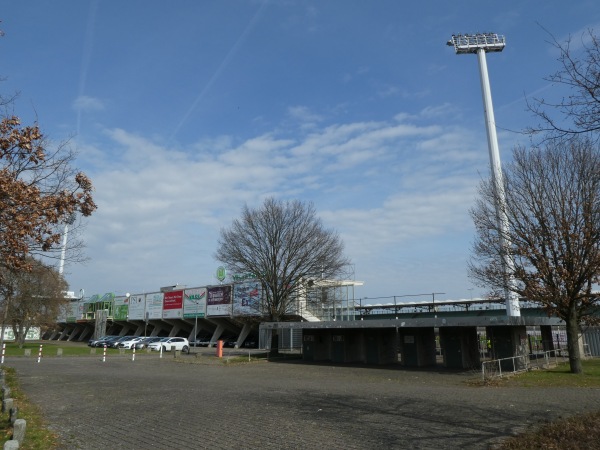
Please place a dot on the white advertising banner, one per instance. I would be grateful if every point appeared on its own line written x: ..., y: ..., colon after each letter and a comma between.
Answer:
x: 62, y: 314
x: 246, y: 298
x: 137, y: 307
x: 73, y: 311
x: 154, y: 304
x: 33, y: 334
x: 194, y: 302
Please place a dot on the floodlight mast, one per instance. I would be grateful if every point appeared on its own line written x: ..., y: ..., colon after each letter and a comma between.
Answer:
x: 70, y: 220
x: 480, y: 44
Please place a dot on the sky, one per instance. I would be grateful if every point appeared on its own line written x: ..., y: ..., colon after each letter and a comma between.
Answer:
x: 183, y: 112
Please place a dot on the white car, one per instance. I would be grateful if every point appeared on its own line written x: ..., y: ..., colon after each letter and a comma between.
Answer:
x: 171, y: 343
x: 130, y: 343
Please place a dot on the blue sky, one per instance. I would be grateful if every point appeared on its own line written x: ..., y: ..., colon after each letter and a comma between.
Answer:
x: 184, y: 111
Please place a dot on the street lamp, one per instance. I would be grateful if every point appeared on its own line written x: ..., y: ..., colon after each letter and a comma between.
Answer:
x: 480, y: 44
x: 70, y: 220
x: 196, y: 325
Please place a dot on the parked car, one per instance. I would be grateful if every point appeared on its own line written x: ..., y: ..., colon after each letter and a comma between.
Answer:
x: 250, y: 343
x: 146, y: 341
x: 230, y: 343
x: 130, y: 343
x: 171, y: 343
x: 200, y: 342
x: 105, y: 341
x: 93, y: 342
x: 116, y: 342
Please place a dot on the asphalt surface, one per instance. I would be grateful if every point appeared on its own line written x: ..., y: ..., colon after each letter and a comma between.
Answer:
x: 200, y: 402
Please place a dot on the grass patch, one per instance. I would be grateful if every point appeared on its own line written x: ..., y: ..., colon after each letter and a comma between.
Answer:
x: 50, y: 349
x: 37, y: 434
x: 241, y: 359
x: 578, y: 432
x: 559, y: 376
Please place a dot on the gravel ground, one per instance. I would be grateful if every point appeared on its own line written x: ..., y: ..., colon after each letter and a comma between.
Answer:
x: 199, y: 402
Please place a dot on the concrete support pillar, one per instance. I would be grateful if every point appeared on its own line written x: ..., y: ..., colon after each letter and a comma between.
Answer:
x: 216, y: 335
x: 156, y: 328
x: 175, y: 327
x: 63, y: 333
x: 243, y: 334
x: 84, y: 334
x: 78, y: 329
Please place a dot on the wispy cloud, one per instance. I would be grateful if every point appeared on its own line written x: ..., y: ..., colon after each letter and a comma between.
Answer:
x: 84, y: 103
x: 415, y: 182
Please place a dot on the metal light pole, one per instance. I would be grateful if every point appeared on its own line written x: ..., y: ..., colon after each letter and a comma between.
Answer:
x: 480, y: 44
x: 70, y: 220
x: 196, y: 326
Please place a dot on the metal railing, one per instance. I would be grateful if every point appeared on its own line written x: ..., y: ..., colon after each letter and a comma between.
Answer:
x: 506, y: 366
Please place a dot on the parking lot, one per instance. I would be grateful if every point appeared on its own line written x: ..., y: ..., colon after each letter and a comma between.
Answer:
x: 200, y: 402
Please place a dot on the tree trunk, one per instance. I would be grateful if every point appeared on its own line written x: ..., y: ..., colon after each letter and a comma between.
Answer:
x: 573, y: 333
x: 23, y: 335
x: 274, y: 351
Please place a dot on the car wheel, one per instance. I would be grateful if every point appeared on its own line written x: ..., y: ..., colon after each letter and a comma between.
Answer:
x: 185, y: 349
x: 164, y: 348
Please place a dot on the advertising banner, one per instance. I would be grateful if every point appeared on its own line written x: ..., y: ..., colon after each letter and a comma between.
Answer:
x: 246, y: 298
x: 154, y: 304
x: 121, y: 308
x: 173, y: 305
x: 194, y: 303
x: 33, y: 334
x: 63, y: 312
x: 73, y: 312
x: 218, y: 301
x: 137, y: 307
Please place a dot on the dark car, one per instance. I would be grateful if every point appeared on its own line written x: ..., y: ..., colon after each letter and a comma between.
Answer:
x: 93, y: 342
x: 105, y: 341
x: 250, y: 343
x: 200, y: 342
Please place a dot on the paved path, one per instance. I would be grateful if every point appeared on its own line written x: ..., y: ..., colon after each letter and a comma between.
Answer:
x: 195, y: 403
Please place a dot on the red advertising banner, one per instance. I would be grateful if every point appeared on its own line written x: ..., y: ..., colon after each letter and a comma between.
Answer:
x: 173, y: 304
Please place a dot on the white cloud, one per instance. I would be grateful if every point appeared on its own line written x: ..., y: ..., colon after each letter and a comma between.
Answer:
x: 383, y: 185
x: 84, y: 103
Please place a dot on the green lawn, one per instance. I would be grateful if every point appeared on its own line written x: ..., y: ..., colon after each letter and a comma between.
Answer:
x: 559, y: 376
x: 50, y: 349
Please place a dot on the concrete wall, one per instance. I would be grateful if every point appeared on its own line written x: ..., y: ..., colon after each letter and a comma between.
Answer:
x: 460, y: 347
x: 416, y: 347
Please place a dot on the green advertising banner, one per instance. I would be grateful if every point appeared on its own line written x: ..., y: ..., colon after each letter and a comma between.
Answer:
x: 121, y: 308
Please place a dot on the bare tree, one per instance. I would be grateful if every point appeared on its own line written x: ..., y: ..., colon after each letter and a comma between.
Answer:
x: 553, y: 210
x: 31, y: 298
x: 578, y: 112
x: 39, y: 192
x: 284, y: 245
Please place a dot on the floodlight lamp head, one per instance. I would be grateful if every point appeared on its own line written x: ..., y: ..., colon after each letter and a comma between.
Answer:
x: 472, y: 43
